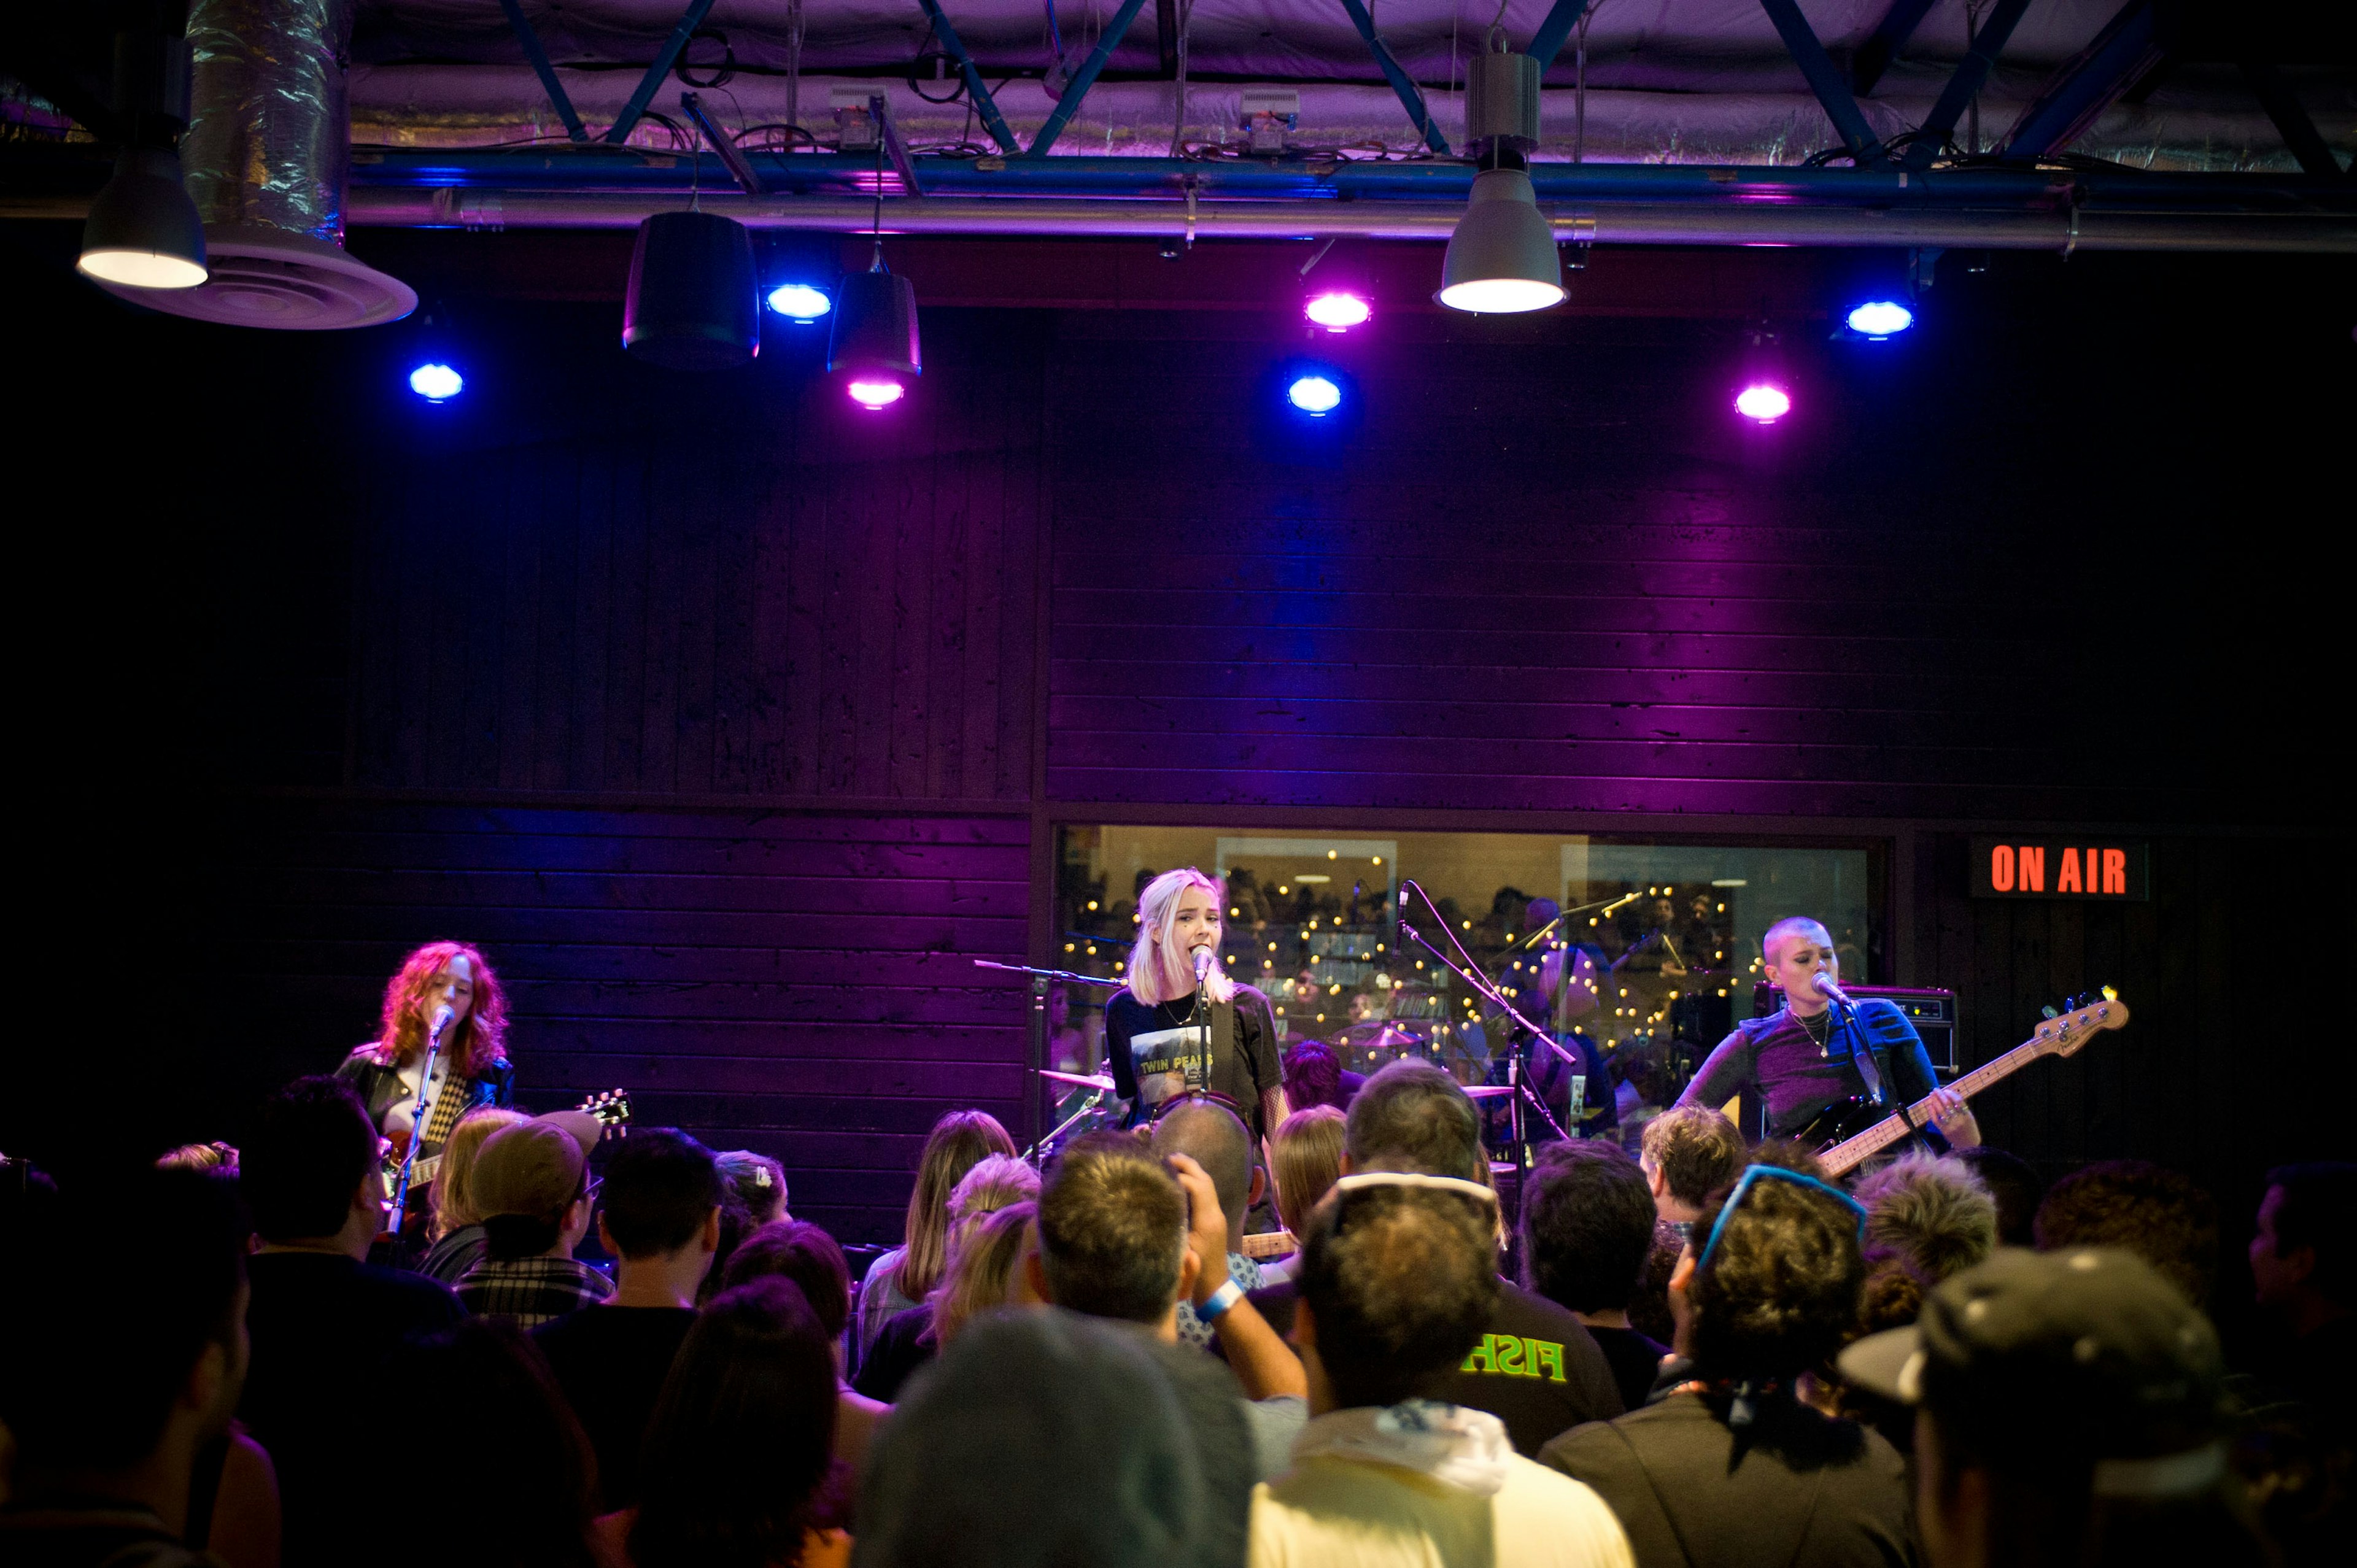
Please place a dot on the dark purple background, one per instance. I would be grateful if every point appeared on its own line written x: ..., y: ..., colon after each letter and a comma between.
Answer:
x: 735, y: 724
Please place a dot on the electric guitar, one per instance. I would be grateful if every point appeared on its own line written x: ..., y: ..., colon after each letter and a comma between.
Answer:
x: 1859, y: 1128
x: 612, y: 1110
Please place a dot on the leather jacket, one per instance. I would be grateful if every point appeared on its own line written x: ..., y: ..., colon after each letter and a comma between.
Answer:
x: 379, y: 1087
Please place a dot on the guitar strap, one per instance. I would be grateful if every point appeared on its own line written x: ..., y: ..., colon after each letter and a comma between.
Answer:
x: 453, y: 1098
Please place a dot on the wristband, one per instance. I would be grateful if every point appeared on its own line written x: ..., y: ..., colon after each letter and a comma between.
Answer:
x: 1221, y: 1299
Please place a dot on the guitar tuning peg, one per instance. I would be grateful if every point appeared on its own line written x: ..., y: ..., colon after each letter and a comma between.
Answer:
x: 2110, y: 995
x: 2048, y: 1013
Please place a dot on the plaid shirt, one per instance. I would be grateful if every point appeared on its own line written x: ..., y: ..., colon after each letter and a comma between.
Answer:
x: 531, y: 1291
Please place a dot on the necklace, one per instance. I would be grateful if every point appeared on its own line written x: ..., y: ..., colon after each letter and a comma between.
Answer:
x: 1820, y: 1030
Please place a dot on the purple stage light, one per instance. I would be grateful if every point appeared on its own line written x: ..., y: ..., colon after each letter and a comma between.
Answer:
x: 1763, y: 401
x: 1337, y: 310
x: 876, y: 395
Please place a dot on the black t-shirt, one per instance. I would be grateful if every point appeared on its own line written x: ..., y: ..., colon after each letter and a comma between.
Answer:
x: 1635, y: 1360
x: 1157, y: 1051
x: 897, y: 1352
x: 1537, y: 1369
x: 611, y: 1362
x: 1802, y: 1488
x: 334, y: 1344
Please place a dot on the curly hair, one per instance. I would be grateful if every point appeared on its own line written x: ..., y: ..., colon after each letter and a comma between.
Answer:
x: 1695, y: 1149
x: 481, y: 1035
x: 2166, y: 1218
x: 1934, y: 1214
x: 1780, y: 1293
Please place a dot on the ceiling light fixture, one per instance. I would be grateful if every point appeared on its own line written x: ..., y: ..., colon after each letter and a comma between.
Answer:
x: 142, y: 231
x: 1501, y: 258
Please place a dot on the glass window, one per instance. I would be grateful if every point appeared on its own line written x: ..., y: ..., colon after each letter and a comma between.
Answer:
x: 1661, y: 940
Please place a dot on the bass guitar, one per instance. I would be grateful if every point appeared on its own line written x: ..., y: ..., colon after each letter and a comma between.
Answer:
x: 1858, y: 1129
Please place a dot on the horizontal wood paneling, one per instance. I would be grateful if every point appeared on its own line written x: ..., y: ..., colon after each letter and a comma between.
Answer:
x: 799, y: 983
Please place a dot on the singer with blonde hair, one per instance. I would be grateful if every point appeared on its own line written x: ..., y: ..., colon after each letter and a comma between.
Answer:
x: 1182, y: 1025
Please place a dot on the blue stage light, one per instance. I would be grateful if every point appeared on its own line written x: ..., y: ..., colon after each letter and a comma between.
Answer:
x: 436, y: 382
x: 800, y: 302
x: 1313, y: 395
x: 1881, y: 318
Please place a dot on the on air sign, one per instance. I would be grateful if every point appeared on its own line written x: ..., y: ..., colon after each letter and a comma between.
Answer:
x: 2060, y: 868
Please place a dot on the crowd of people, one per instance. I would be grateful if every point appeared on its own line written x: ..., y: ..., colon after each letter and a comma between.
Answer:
x: 1705, y: 1355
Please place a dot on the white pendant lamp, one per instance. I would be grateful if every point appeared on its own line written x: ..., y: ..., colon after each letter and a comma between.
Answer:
x: 1501, y: 258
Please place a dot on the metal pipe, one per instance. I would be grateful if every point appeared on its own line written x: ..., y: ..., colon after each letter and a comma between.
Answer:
x: 1606, y: 222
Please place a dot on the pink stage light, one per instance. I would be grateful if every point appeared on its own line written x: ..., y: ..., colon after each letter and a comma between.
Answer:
x: 1337, y: 311
x: 1763, y: 401
x: 874, y: 395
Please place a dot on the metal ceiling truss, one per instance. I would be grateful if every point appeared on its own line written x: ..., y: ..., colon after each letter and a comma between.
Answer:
x: 2128, y: 50
x: 2128, y: 47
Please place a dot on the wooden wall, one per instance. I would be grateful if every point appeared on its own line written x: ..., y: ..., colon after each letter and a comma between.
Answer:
x: 735, y: 722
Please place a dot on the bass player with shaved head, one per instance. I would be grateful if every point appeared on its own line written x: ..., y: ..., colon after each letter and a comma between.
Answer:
x: 1820, y: 1050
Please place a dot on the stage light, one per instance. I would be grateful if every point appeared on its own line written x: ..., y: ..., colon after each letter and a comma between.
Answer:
x: 435, y: 382
x: 874, y: 395
x: 800, y: 303
x: 1337, y: 310
x: 1881, y: 318
x: 142, y: 231
x: 1501, y: 259
x: 1313, y: 395
x: 1763, y: 401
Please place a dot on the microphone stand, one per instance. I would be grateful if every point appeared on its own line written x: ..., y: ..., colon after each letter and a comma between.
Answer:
x: 416, y: 1129
x: 1037, y: 1032
x: 1479, y: 985
x: 1892, y: 1096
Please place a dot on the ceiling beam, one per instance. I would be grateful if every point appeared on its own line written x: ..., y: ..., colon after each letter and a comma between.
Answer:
x: 1967, y: 79
x: 2077, y: 95
x: 2299, y: 133
x: 1824, y: 80
x: 977, y: 91
x: 1403, y: 85
x: 659, y: 69
x: 544, y: 69
x: 1085, y: 78
x: 1548, y: 42
x: 1875, y: 55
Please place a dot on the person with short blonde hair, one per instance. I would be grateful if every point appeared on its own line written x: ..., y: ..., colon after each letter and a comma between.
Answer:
x: 995, y: 1184
x: 457, y: 1229
x: 983, y: 1272
x: 1687, y: 1152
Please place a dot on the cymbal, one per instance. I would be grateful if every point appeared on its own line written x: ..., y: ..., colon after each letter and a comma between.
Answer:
x: 1080, y: 1078
x: 1487, y: 1090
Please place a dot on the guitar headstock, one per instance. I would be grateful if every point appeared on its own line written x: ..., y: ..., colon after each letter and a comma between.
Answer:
x: 2062, y: 1034
x: 612, y: 1110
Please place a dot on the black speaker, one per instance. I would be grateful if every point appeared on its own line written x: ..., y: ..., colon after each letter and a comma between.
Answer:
x: 695, y: 302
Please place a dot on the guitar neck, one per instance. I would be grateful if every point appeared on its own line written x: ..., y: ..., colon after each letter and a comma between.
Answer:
x: 1888, y: 1131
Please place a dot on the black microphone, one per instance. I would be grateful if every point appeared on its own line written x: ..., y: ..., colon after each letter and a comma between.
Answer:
x: 1833, y: 992
x: 1204, y: 957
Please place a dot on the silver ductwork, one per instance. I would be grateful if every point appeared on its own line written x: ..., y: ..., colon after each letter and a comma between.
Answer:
x: 266, y: 158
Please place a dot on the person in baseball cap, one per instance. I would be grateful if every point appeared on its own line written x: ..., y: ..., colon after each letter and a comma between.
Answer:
x: 2068, y: 1409
x: 530, y: 1183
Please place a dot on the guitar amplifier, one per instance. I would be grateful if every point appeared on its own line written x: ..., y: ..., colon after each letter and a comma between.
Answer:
x: 1934, y: 1014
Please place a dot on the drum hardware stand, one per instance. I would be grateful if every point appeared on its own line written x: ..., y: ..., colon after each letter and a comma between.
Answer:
x: 1088, y: 1107
x: 1481, y: 986
x: 1037, y: 1051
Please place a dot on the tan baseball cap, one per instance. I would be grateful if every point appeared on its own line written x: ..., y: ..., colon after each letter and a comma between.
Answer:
x: 534, y: 1168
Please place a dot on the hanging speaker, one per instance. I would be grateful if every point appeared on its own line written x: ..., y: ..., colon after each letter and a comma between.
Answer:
x: 695, y: 300
x: 875, y: 326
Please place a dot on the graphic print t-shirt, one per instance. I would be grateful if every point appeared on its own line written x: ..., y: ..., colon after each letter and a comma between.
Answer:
x: 1157, y: 1051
